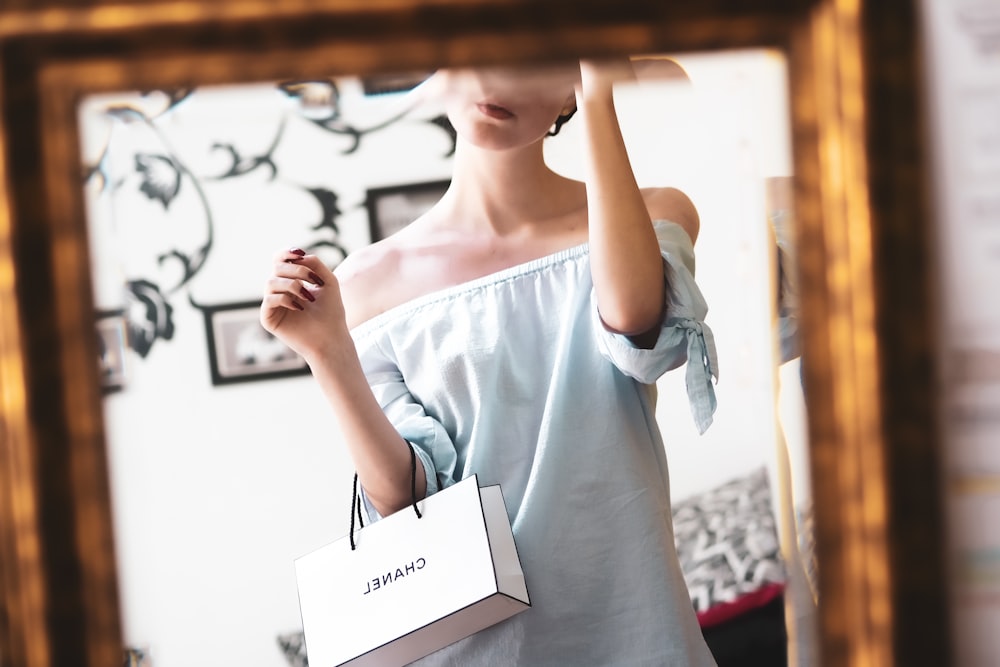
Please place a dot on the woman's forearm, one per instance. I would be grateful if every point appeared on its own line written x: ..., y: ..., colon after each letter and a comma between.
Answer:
x: 625, y: 258
x: 380, y: 454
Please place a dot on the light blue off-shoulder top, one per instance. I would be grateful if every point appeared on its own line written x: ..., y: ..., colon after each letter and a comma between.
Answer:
x: 513, y: 377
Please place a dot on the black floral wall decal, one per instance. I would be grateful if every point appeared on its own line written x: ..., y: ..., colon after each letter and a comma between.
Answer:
x: 244, y: 165
x: 331, y: 211
x: 161, y: 177
x: 330, y: 250
x: 325, y: 94
x: 159, y: 172
x: 241, y: 165
x: 190, y: 263
x: 148, y: 315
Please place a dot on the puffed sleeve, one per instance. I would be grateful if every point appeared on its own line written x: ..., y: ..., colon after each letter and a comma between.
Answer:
x: 430, y: 440
x: 684, y: 336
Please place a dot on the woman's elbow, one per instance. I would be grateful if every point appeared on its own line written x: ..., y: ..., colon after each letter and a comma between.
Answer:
x: 634, y: 320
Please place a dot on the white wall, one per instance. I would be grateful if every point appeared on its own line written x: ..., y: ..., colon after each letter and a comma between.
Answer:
x: 217, y: 489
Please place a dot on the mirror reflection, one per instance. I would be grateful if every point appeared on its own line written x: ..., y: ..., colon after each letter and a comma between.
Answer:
x: 226, y: 460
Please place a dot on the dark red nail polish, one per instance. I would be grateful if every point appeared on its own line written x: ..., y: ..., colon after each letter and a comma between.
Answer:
x: 315, y: 280
x: 297, y: 304
x: 298, y: 251
x: 306, y: 294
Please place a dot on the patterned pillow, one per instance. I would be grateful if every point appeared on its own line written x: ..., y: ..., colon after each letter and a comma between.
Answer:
x: 729, y: 549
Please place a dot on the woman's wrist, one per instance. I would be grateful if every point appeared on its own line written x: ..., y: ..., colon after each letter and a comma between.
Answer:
x: 335, y: 351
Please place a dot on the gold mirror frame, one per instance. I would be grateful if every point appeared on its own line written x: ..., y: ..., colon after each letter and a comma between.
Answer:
x: 864, y: 224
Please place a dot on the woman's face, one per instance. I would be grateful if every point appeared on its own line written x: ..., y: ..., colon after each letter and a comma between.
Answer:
x: 502, y: 108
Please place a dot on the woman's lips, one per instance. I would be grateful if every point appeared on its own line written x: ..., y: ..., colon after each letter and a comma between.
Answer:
x: 495, y: 111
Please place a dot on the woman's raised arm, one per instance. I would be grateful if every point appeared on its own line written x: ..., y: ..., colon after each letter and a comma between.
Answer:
x: 625, y: 258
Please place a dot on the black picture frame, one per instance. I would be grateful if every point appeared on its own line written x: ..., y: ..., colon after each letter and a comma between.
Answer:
x: 241, y: 350
x: 112, y: 343
x: 391, y: 208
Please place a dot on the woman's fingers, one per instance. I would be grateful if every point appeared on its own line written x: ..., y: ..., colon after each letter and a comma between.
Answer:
x: 281, y: 301
x: 295, y: 281
x: 286, y: 289
x: 290, y: 286
x: 274, y: 308
x: 302, y: 282
x: 302, y: 277
x: 300, y: 272
x: 308, y: 268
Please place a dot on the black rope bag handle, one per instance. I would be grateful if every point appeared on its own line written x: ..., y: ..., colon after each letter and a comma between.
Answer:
x: 356, y: 499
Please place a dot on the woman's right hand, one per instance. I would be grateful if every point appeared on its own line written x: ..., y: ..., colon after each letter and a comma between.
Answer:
x: 302, y: 305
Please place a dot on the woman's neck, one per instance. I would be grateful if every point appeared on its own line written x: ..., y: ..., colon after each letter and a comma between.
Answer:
x: 506, y: 190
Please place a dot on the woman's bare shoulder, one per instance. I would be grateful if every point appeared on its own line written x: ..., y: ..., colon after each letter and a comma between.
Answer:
x: 368, y: 278
x: 414, y: 261
x: 674, y: 205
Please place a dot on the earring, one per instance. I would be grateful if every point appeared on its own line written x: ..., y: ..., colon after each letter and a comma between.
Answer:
x: 561, y: 120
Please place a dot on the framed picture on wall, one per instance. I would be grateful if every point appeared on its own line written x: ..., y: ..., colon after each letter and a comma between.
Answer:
x: 241, y: 350
x: 111, y: 346
x: 394, y: 207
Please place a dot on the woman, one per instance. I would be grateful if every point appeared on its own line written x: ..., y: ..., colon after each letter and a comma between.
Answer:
x: 516, y: 331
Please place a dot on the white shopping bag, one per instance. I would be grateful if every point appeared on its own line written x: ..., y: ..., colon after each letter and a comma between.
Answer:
x: 412, y: 585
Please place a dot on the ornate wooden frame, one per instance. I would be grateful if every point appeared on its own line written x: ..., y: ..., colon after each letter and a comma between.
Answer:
x: 860, y: 170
